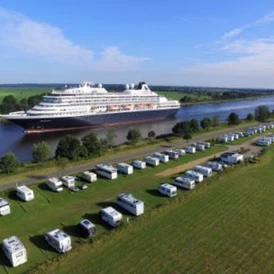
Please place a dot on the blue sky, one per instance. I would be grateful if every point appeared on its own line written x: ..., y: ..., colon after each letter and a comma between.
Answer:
x: 191, y: 43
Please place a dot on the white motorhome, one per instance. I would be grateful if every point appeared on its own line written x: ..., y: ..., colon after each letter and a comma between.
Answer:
x: 128, y: 202
x: 106, y: 171
x: 232, y: 158
x: 59, y: 240
x: 264, y: 141
x: 206, y: 171
x: 4, y: 207
x: 87, y: 228
x: 240, y: 134
x: 206, y: 144
x: 89, y: 176
x: 55, y: 184
x: 125, y: 168
x: 111, y: 216
x: 184, y: 183
x: 197, y: 177
x: 181, y: 152
x: 162, y: 157
x: 69, y: 181
x: 152, y: 161
x: 168, y: 190
x: 199, y: 147
x: 190, y: 150
x: 215, y: 166
x: 25, y: 193
x: 172, y: 154
x: 139, y: 164
x: 230, y: 138
x: 223, y: 139
x: 15, y: 251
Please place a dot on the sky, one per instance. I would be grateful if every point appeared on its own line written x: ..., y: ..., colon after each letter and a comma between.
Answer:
x: 188, y: 43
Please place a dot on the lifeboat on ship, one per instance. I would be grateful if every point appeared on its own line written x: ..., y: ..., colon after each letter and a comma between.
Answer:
x: 113, y: 108
x: 128, y: 107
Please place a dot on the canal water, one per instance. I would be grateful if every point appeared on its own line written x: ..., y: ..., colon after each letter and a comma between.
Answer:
x: 13, y: 139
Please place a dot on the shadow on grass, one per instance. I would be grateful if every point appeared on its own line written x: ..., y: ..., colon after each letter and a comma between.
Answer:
x: 73, y: 230
x: 107, y: 204
x: 155, y: 192
x: 96, y: 219
x: 38, y: 177
x: 12, y: 196
x: 44, y: 187
x: 3, y: 259
x: 41, y: 243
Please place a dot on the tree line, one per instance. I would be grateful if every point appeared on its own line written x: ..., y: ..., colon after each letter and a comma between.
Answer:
x: 70, y: 148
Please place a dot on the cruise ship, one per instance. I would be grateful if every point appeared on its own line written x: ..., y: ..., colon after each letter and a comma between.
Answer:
x: 91, y: 105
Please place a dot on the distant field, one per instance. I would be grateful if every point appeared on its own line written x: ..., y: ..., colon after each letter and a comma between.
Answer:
x: 21, y: 93
x: 176, y: 95
x: 49, y: 210
x: 224, y: 226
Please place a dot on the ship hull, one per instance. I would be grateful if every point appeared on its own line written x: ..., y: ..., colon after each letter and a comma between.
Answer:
x: 36, y: 124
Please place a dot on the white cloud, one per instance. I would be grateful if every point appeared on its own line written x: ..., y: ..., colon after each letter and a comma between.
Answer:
x: 113, y: 59
x: 36, y: 39
x: 233, y: 33
x: 266, y: 19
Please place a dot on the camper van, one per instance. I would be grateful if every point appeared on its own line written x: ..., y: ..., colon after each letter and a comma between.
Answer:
x: 59, y: 240
x: 152, y: 161
x: 87, y: 228
x: 111, y: 216
x: 106, y: 171
x: 190, y: 149
x: 125, y: 168
x: 55, y: 184
x: 139, y: 164
x: 199, y: 147
x: 4, y: 207
x: 215, y: 166
x: 197, y: 177
x: 232, y: 158
x: 130, y: 203
x: 181, y: 152
x: 223, y: 139
x: 206, y: 144
x: 184, y: 182
x: 264, y: 141
x: 168, y: 190
x: 162, y: 157
x: 172, y: 154
x: 69, y: 181
x: 206, y: 171
x: 89, y: 176
x: 15, y: 251
x: 24, y: 193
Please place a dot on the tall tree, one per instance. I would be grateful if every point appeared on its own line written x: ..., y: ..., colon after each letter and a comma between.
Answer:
x: 151, y: 135
x: 262, y: 113
x: 110, y: 138
x: 92, y: 144
x: 182, y: 128
x: 206, y: 123
x: 68, y: 147
x: 233, y: 119
x: 216, y: 121
x: 194, y: 125
x: 249, y: 117
x: 134, y: 135
x: 9, y: 163
x: 40, y: 152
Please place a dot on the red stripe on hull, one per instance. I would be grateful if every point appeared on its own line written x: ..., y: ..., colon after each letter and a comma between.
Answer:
x: 31, y: 131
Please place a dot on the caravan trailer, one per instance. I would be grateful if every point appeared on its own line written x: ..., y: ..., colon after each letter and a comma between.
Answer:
x: 215, y: 166
x: 139, y: 164
x: 184, y: 183
x: 59, y: 240
x: 181, y: 152
x: 232, y: 158
x: 87, y: 228
x: 162, y: 157
x: 205, y: 144
x: 106, y: 171
x: 190, y: 149
x: 130, y: 203
x: 4, y: 207
x: 152, y: 161
x: 55, y: 184
x: 69, y: 181
x: 199, y: 147
x: 172, y: 154
x: 168, y: 190
x: 89, y: 176
x: 25, y: 193
x: 197, y: 177
x: 264, y: 141
x: 125, y: 168
x: 15, y: 251
x: 111, y: 216
x: 206, y: 171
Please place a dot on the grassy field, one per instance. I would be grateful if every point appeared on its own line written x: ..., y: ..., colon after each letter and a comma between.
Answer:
x: 21, y: 93
x: 224, y: 226
x: 49, y: 210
